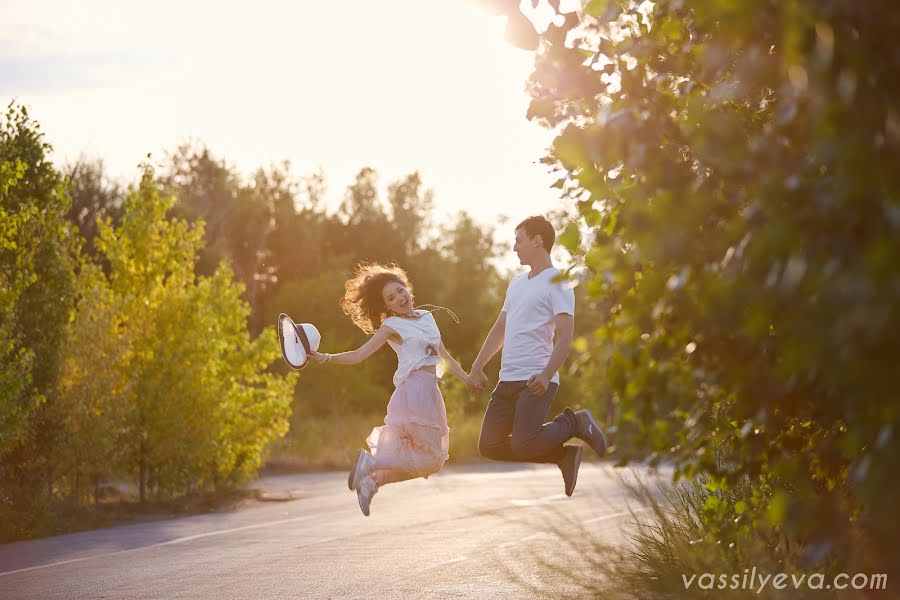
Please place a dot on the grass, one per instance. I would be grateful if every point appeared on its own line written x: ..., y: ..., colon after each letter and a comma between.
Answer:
x: 63, y: 518
x: 669, y: 540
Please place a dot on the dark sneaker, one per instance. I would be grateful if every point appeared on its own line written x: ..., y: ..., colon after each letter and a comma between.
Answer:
x: 569, y: 466
x: 588, y: 429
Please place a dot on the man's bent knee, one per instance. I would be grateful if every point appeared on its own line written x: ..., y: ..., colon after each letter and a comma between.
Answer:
x: 488, y: 450
x: 523, y: 447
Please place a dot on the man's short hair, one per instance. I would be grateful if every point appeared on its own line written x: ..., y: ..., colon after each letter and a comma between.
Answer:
x: 538, y: 225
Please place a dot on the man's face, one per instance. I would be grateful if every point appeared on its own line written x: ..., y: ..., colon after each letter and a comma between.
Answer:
x: 526, y: 248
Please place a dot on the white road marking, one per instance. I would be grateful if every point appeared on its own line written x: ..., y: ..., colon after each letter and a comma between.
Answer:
x: 594, y: 520
x: 524, y: 539
x: 539, y: 501
x: 160, y: 544
x: 614, y: 515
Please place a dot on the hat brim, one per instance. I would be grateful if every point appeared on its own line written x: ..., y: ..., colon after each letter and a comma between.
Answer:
x: 294, y: 345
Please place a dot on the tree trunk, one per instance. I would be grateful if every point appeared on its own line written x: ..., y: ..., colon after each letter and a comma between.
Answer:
x: 610, y: 406
x: 142, y: 475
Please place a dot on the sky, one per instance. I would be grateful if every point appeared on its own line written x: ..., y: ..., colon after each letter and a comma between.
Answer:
x: 397, y: 85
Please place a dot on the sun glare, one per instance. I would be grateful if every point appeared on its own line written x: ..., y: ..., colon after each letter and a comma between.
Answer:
x: 399, y: 86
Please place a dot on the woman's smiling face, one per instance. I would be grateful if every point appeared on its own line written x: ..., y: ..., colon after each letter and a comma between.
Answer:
x: 397, y: 298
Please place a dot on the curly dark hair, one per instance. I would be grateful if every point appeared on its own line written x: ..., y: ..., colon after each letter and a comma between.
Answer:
x: 362, y: 300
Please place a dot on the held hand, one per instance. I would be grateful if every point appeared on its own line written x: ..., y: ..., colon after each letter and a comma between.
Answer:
x: 538, y: 384
x: 477, y: 381
x: 317, y: 356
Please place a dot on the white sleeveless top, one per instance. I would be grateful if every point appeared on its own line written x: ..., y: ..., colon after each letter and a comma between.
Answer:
x: 421, y: 341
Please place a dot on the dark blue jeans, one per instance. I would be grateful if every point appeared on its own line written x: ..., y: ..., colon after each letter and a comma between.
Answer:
x: 514, y: 430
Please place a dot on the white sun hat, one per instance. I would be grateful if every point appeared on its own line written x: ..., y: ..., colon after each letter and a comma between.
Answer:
x: 297, y: 341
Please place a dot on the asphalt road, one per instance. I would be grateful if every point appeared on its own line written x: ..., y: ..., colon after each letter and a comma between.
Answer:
x: 493, y: 531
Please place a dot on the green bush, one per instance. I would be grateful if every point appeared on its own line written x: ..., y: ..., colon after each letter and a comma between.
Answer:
x: 735, y: 169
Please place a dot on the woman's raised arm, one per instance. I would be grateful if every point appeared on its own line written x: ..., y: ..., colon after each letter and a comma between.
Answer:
x: 360, y: 354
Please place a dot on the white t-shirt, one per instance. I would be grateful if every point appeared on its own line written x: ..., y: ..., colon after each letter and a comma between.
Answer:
x: 421, y: 341
x: 530, y: 306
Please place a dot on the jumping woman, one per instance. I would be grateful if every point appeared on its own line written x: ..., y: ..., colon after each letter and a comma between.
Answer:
x: 415, y: 439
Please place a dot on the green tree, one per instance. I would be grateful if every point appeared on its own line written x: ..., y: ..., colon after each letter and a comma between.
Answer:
x: 207, y: 190
x: 36, y: 295
x: 411, y: 207
x: 368, y: 231
x: 91, y: 398
x: 94, y: 197
x: 464, y: 279
x: 36, y: 197
x: 736, y: 166
x: 199, y: 406
x: 299, y: 244
x: 17, y: 400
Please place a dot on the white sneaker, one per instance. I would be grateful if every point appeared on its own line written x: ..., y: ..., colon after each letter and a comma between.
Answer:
x: 365, y: 464
x: 365, y: 489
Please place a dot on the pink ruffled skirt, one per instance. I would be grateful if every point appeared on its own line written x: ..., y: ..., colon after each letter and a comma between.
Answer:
x: 415, y: 436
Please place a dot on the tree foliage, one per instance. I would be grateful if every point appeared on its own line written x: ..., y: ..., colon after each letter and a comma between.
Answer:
x: 138, y: 338
x: 122, y: 362
x: 196, y: 406
x: 36, y: 290
x: 94, y: 197
x: 736, y: 165
x: 302, y: 253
